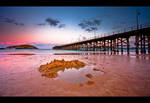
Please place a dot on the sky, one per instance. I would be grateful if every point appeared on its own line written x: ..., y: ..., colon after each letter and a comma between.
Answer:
x: 46, y: 27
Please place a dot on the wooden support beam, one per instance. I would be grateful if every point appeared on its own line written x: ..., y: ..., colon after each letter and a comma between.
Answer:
x: 93, y: 46
x: 144, y: 49
x: 117, y: 47
x: 141, y: 40
x: 111, y: 45
x: 128, y: 45
x: 81, y: 47
x: 87, y: 47
x: 121, y: 46
x: 72, y: 47
x: 100, y: 45
x: 148, y: 44
x: 75, y: 46
x: 104, y: 45
x: 137, y: 44
x: 114, y: 46
x: 97, y: 44
x: 84, y: 47
x: 108, y: 46
x: 78, y: 47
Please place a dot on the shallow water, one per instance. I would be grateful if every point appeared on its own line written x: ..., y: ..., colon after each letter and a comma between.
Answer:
x: 78, y: 76
x: 119, y: 75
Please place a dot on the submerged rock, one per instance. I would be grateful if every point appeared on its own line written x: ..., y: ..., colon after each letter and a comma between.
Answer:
x: 95, y: 69
x: 90, y: 82
x: 50, y: 69
x: 89, y: 75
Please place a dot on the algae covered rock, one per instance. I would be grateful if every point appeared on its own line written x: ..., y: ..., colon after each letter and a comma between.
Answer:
x: 89, y: 75
x: 50, y: 69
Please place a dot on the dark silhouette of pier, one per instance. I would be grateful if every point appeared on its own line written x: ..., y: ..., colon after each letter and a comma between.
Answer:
x: 115, y: 42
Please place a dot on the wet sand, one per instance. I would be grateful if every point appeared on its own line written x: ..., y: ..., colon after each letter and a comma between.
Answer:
x: 117, y: 75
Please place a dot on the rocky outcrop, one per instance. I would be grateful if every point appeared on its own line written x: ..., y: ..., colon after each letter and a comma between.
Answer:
x: 22, y: 47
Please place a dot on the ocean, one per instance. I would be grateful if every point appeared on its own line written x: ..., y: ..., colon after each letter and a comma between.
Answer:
x: 51, y: 51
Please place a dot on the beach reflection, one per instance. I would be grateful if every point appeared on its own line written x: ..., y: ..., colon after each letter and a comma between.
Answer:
x: 74, y: 75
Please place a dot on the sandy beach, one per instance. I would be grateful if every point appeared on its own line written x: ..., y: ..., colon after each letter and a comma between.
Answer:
x: 117, y: 75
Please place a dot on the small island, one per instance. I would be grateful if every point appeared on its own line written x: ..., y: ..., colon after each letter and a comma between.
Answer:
x: 21, y: 47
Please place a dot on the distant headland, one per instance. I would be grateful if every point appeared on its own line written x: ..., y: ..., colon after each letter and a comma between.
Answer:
x: 21, y: 47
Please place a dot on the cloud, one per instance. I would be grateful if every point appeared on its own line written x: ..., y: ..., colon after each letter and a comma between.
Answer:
x: 8, y: 20
x: 90, y: 25
x: 94, y: 28
x: 82, y: 25
x: 97, y: 22
x: 52, y: 22
x: 61, y: 25
x: 41, y: 24
x: 89, y: 30
x: 11, y: 21
x: 19, y: 24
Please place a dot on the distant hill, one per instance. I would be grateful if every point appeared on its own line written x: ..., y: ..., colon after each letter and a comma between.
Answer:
x: 21, y: 47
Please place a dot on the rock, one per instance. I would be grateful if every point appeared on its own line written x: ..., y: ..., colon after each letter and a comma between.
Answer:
x: 89, y: 75
x: 90, y: 82
x: 50, y: 69
x: 95, y: 69
x: 22, y: 47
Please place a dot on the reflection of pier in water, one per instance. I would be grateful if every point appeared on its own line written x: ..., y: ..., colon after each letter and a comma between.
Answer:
x: 114, y: 43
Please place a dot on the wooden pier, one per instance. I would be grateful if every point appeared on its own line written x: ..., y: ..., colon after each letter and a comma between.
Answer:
x: 115, y: 43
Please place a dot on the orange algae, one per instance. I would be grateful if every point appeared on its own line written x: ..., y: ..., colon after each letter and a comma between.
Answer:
x: 89, y: 75
x: 100, y: 69
x: 90, y: 82
x: 95, y: 69
x: 86, y: 57
x: 94, y: 63
x: 50, y: 70
x: 80, y: 84
x: 50, y: 75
